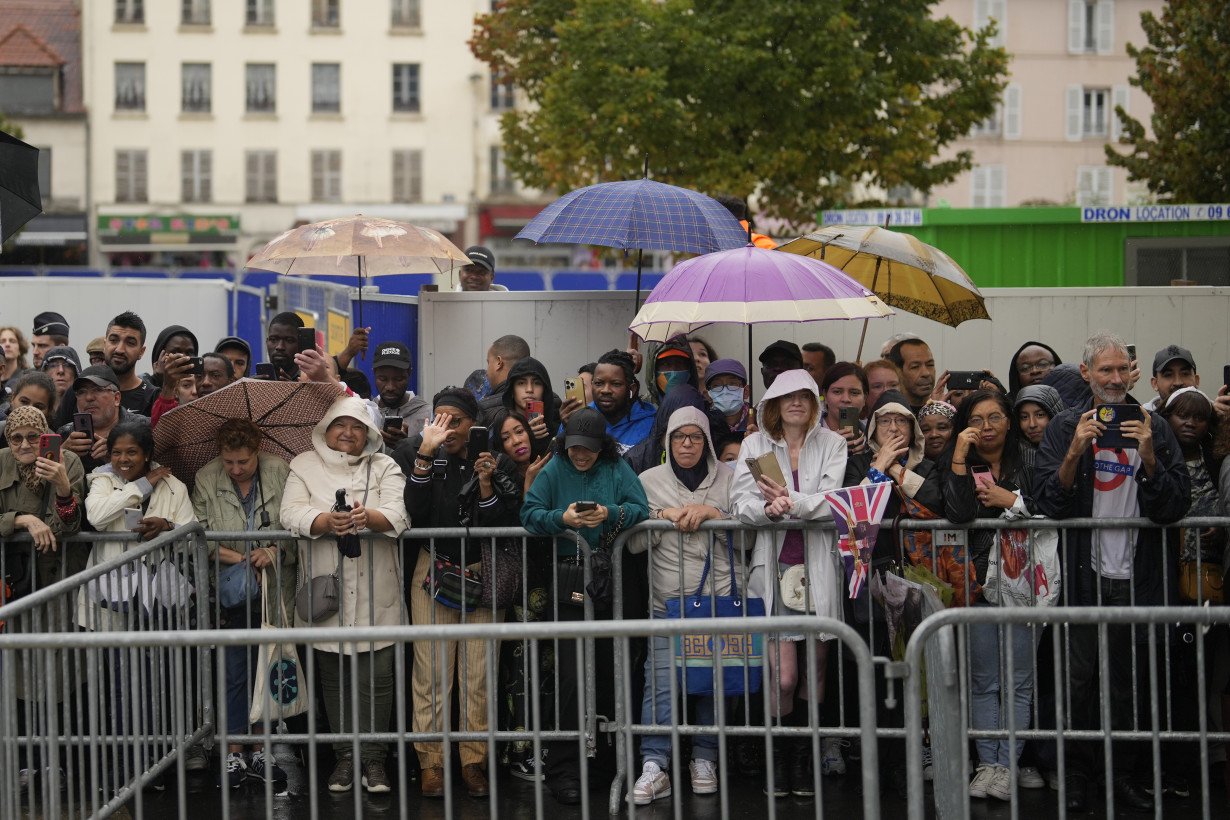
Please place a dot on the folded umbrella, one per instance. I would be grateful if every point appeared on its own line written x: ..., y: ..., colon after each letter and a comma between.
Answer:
x: 20, y: 199
x: 286, y: 412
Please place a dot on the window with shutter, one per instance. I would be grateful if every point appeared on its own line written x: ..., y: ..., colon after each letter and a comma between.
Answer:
x: 1120, y: 95
x: 1095, y: 112
x: 327, y: 176
x: 260, y: 88
x: 501, y: 181
x: 196, y: 172
x: 130, y: 12
x: 1093, y: 185
x: 259, y: 13
x: 988, y: 186
x: 408, y: 175
x: 326, y: 87
x: 1073, y: 101
x: 405, y: 13
x: 195, y: 13
x: 406, y: 87
x: 1104, y: 17
x: 130, y: 86
x: 1012, y: 112
x: 130, y: 176
x: 326, y: 13
x: 261, y: 176
x: 1076, y: 26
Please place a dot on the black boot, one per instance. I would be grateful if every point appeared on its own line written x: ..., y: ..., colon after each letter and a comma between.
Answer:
x: 802, y: 783
x: 781, y: 772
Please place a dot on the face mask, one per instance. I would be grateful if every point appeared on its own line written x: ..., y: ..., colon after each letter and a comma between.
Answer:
x: 670, y: 380
x: 727, y: 400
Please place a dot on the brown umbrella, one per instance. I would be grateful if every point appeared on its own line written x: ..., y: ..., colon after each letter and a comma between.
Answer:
x: 286, y: 412
x: 359, y: 245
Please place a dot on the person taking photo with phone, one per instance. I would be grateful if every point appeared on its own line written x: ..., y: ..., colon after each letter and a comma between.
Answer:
x: 529, y: 395
x: 99, y: 411
x: 845, y: 395
x: 1076, y: 477
x: 439, y: 463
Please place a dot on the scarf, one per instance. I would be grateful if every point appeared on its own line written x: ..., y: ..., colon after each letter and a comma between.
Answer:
x: 23, y: 418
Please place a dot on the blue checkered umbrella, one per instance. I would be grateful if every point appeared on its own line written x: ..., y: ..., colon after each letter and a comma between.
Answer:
x: 638, y: 214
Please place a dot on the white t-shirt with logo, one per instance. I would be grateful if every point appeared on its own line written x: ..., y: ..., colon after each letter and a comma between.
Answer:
x: 1114, y: 496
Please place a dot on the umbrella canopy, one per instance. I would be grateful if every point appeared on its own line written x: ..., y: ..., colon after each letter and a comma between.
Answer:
x: 20, y: 200
x: 360, y: 246
x: 904, y: 272
x: 749, y: 286
x: 638, y: 214
x: 286, y: 412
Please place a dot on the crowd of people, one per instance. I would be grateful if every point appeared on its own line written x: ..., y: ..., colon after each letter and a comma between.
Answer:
x: 576, y: 472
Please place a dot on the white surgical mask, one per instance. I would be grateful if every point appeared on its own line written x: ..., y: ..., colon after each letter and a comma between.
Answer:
x: 727, y: 400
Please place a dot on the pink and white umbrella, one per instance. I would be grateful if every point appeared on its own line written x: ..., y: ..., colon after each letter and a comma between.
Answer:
x: 751, y: 286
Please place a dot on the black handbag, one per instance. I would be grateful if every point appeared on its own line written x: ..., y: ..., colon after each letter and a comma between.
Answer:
x: 501, y: 572
x: 570, y: 587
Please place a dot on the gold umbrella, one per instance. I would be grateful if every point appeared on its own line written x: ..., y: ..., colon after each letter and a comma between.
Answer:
x: 359, y: 245
x: 906, y: 273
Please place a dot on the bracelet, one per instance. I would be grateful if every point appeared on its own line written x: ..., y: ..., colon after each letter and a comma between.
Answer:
x: 958, y: 463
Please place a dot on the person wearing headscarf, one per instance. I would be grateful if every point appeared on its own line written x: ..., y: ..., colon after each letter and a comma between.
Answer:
x: 1034, y: 407
x: 690, y: 488
x: 935, y: 421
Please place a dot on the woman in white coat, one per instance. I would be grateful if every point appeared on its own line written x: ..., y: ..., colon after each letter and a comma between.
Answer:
x: 813, y: 460
x: 346, y: 455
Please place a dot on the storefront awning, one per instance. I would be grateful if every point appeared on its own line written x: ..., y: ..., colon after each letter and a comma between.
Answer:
x: 53, y: 230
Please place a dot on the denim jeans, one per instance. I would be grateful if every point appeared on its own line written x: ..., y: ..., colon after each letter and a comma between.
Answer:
x: 240, y: 669
x: 989, y: 651
x: 657, y: 707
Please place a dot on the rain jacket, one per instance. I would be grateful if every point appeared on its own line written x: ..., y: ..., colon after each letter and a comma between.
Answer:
x: 109, y: 495
x: 611, y: 483
x: 921, y: 481
x: 1163, y: 499
x: 663, y: 489
x: 315, y: 477
x: 633, y: 428
x: 1072, y: 387
x: 822, y: 467
x: 1014, y: 378
x: 218, y: 507
x: 651, y: 369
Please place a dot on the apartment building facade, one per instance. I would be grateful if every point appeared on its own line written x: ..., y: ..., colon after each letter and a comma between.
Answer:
x: 218, y: 125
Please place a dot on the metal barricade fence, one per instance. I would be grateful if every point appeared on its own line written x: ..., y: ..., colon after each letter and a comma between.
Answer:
x: 1085, y: 688
x: 497, y: 682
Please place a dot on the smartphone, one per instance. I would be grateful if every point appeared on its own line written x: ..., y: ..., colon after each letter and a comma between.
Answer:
x: 1132, y: 352
x: 965, y: 379
x: 265, y: 370
x: 533, y: 409
x: 1113, y: 416
x: 983, y: 477
x: 84, y: 423
x: 751, y: 415
x: 198, y: 366
x: 49, y: 446
x: 477, y: 443
x: 394, y: 423
x: 586, y: 506
x: 574, y: 388
x: 307, y: 338
x: 847, y: 418
x: 132, y: 517
x: 766, y: 466
x: 1225, y: 374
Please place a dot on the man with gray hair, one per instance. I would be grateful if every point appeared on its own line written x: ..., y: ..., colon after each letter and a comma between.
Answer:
x: 1075, y: 477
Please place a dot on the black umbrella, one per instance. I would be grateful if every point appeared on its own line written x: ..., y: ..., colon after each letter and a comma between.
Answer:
x: 20, y: 200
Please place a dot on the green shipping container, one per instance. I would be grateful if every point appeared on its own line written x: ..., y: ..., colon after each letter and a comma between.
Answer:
x: 1073, y: 246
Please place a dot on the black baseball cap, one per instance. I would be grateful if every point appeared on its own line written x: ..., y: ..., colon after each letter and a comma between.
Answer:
x: 98, y: 375
x: 234, y: 341
x: 392, y: 354
x: 585, y: 428
x: 62, y: 353
x: 1172, y: 353
x: 782, y: 348
x: 480, y: 255
x: 50, y: 323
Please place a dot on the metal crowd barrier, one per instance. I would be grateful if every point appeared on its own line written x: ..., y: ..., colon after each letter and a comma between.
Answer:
x: 164, y: 662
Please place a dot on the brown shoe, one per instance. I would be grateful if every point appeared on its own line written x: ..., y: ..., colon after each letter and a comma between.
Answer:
x: 432, y: 781
x: 475, y: 780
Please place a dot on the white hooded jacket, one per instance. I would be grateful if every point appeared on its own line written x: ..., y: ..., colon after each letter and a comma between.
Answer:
x: 664, y: 490
x: 371, y: 585
x: 822, y: 467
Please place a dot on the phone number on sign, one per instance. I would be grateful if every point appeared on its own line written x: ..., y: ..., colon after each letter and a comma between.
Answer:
x: 1157, y: 213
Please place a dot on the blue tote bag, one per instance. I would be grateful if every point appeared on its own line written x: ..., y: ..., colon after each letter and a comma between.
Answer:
x: 739, y: 656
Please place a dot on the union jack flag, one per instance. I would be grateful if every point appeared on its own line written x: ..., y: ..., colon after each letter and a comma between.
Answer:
x: 857, y: 512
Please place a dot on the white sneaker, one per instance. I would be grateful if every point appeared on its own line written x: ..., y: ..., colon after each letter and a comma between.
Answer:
x: 704, y: 776
x: 653, y: 784
x: 1000, y: 786
x: 983, y: 775
x: 831, y: 761
x: 928, y: 764
x: 1028, y: 777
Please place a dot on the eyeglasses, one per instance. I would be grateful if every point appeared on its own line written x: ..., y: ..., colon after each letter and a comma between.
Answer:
x: 16, y: 439
x: 995, y: 419
x: 1036, y: 367
x: 894, y: 421
x: 690, y: 438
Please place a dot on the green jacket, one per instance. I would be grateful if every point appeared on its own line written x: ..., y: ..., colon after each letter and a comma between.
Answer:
x: 218, y: 508
x: 16, y: 499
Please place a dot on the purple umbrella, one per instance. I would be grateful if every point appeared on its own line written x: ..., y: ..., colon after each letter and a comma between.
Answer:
x: 748, y: 286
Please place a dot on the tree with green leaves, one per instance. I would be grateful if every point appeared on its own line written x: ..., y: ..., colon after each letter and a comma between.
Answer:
x: 803, y: 103
x: 1185, y: 70
x: 9, y: 127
